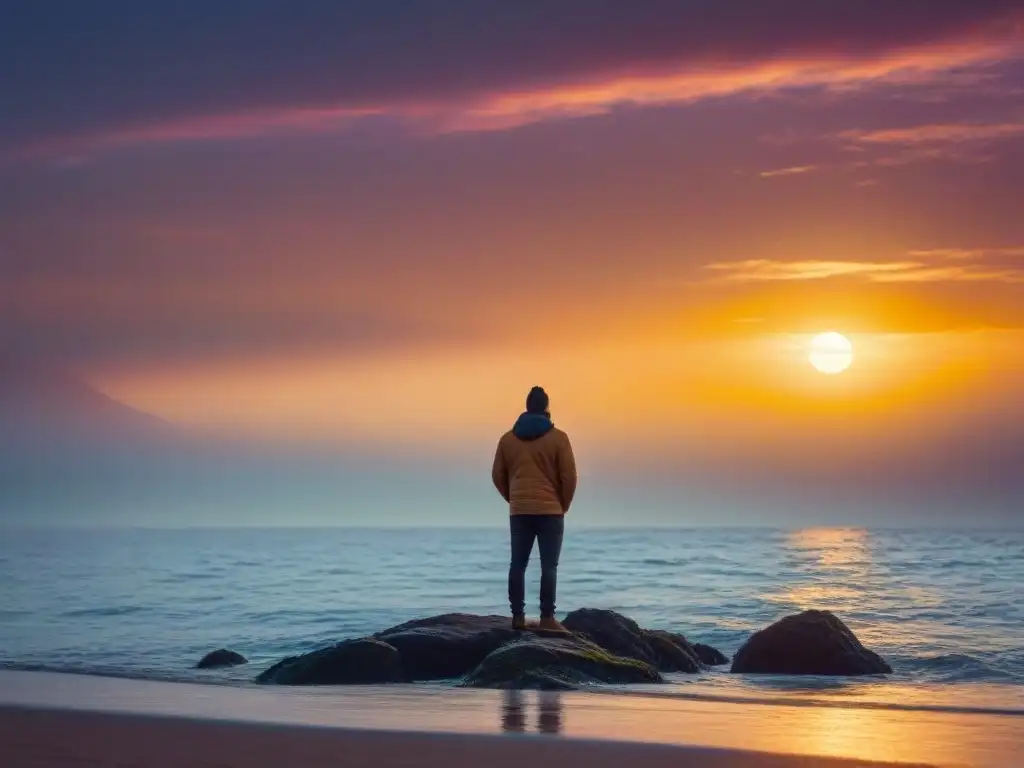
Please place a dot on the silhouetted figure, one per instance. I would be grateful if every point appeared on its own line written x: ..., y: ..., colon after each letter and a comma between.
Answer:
x: 535, y: 472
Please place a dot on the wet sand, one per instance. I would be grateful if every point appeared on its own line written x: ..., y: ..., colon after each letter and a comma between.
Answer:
x: 50, y: 739
x: 49, y: 720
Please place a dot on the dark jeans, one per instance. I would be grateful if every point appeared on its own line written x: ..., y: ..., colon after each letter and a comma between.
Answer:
x: 547, y: 530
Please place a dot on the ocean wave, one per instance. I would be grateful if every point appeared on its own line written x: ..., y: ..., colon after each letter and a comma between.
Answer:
x: 152, y: 606
x: 657, y: 561
x: 120, y: 673
x: 113, y: 610
x: 237, y: 677
x: 959, y: 667
x: 185, y: 578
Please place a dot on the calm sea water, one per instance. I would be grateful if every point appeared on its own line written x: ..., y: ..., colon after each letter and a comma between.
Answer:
x: 945, y: 608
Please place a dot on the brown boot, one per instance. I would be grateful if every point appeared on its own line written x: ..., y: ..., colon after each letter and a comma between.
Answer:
x: 551, y: 624
x: 519, y: 622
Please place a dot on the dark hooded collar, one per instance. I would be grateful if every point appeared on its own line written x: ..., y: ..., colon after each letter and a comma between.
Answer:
x: 530, y: 426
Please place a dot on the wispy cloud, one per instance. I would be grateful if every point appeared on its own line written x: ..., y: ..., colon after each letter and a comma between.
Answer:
x: 943, y: 133
x: 972, y: 273
x: 503, y: 108
x: 967, y: 253
x: 246, y: 125
x: 934, y: 142
x: 760, y: 270
x: 795, y: 170
x: 894, y: 67
x: 1004, y: 265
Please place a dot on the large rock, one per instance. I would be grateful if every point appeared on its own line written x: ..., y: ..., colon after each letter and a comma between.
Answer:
x: 809, y: 643
x: 350, y: 662
x: 550, y: 663
x: 448, y: 646
x: 221, y: 658
x: 666, y: 651
x: 672, y: 652
x: 455, y: 644
x: 712, y: 657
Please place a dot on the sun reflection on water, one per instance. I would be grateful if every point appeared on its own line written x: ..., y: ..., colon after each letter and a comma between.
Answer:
x: 857, y: 575
x: 832, y: 570
x: 836, y: 569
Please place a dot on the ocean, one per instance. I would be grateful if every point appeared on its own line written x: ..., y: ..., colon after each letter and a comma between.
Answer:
x: 945, y: 608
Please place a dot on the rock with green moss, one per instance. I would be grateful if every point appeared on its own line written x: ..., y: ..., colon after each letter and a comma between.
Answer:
x: 550, y: 663
x: 450, y: 646
x: 667, y: 651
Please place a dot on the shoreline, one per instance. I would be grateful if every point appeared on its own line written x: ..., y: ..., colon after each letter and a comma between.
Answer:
x: 216, y: 678
x: 52, y: 738
x: 577, y: 718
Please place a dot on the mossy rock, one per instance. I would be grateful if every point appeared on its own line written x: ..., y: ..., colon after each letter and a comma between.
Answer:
x: 550, y: 663
x: 667, y: 651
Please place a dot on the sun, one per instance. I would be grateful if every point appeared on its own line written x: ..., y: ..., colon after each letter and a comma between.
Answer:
x: 831, y: 353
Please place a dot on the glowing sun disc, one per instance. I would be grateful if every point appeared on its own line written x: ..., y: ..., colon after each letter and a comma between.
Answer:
x: 831, y: 353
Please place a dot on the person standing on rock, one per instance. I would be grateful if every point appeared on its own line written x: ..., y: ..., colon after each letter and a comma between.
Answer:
x: 535, y: 472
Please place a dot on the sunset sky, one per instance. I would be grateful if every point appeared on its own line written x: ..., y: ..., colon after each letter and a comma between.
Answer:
x: 380, y: 223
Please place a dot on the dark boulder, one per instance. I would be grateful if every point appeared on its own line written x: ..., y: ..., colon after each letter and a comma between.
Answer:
x: 351, y: 662
x: 456, y: 644
x: 221, y: 658
x: 809, y: 643
x: 550, y: 663
x: 448, y: 646
x: 622, y: 636
x: 672, y: 652
x: 712, y: 657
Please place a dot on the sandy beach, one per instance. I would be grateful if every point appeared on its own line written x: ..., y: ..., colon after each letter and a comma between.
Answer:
x: 48, y: 739
x: 49, y: 720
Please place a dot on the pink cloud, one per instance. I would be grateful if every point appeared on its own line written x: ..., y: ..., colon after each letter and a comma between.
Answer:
x: 940, y: 133
x: 597, y: 94
x: 934, y: 265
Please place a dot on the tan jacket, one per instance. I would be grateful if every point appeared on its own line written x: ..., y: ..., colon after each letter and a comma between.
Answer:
x: 535, y: 477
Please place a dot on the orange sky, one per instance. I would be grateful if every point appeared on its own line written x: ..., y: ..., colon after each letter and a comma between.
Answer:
x: 369, y: 243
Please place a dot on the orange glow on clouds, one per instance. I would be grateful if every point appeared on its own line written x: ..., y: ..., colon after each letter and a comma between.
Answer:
x: 685, y: 83
x: 755, y: 388
x: 916, y: 271
x: 714, y: 79
x: 952, y: 133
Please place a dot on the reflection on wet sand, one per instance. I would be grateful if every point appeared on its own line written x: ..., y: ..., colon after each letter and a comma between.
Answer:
x: 920, y: 736
x: 514, y: 712
x: 879, y: 734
